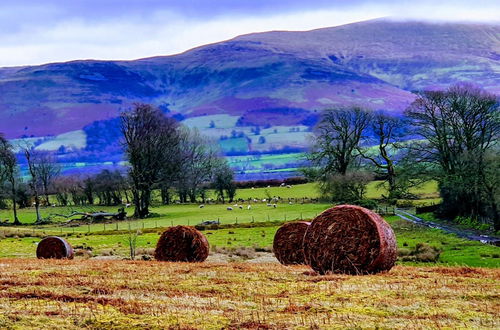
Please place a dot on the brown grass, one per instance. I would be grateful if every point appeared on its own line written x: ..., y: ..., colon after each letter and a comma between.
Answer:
x: 138, y: 294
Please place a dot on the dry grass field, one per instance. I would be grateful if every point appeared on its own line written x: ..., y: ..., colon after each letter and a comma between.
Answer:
x: 115, y: 294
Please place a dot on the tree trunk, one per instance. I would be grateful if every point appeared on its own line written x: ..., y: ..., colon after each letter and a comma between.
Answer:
x: 14, y: 204
x: 46, y: 194
x: 37, y: 206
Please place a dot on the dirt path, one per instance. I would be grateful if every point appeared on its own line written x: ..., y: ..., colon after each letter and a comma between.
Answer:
x: 467, y: 234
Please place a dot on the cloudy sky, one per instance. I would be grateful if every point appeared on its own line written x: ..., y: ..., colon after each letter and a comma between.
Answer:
x: 42, y: 31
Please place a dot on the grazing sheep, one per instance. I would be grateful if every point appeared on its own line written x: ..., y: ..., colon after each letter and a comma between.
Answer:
x: 241, y: 207
x: 290, y: 203
x: 235, y: 205
x: 249, y: 207
x: 264, y: 200
x: 269, y: 204
x: 255, y: 200
x: 229, y: 208
x: 288, y: 186
x: 274, y: 205
x: 202, y: 206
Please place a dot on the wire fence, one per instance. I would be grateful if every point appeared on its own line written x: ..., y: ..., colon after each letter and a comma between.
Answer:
x: 157, y: 224
x: 117, y: 226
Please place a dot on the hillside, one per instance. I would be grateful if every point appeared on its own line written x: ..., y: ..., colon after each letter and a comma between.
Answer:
x: 276, y: 81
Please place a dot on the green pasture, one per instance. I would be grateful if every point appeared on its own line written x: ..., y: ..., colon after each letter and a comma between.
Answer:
x: 188, y: 214
x: 455, y: 251
x: 105, y: 239
x: 293, y: 204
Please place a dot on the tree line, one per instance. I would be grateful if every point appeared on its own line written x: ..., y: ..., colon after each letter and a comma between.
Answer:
x: 162, y: 155
x: 449, y: 136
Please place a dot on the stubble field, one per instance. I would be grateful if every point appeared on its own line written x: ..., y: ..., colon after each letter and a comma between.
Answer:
x: 139, y: 294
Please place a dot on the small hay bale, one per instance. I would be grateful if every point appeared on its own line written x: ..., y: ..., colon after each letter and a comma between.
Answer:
x: 182, y: 243
x: 54, y: 247
x: 349, y: 239
x: 288, y: 243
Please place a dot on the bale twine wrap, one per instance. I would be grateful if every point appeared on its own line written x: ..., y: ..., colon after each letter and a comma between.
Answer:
x: 349, y: 239
x: 182, y: 243
x: 288, y: 243
x: 54, y: 247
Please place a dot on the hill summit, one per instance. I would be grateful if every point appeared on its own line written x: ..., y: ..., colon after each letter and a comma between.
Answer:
x: 255, y: 93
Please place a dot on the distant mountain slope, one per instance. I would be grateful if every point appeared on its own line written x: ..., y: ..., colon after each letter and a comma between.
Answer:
x: 270, y: 85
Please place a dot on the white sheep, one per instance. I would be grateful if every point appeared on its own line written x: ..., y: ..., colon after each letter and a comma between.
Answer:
x: 249, y: 207
x: 202, y: 206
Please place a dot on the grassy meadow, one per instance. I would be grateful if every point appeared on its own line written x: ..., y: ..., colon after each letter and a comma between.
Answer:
x: 238, y: 291
x: 103, y: 294
x: 104, y: 239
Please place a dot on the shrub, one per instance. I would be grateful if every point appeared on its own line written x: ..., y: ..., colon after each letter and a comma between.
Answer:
x: 108, y: 252
x: 405, y: 203
x: 422, y: 252
x: 404, y: 252
x: 145, y: 251
x: 83, y: 253
x: 473, y: 223
x: 366, y: 203
x: 345, y: 188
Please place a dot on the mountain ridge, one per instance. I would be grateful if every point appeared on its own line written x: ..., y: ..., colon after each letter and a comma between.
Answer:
x: 274, y: 82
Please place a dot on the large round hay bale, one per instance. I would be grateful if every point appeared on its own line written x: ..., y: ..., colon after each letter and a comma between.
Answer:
x: 288, y: 243
x: 54, y: 247
x: 349, y: 239
x: 182, y: 243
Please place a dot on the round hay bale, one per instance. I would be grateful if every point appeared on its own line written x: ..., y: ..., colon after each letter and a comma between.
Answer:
x: 288, y: 243
x: 349, y: 239
x: 54, y: 247
x: 182, y: 243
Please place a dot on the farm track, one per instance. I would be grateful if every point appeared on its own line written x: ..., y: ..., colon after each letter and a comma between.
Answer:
x: 138, y: 294
x: 470, y: 235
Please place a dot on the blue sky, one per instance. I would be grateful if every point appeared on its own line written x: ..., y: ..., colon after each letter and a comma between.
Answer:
x: 36, y: 32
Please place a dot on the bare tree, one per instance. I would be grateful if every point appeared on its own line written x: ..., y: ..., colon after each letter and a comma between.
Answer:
x: 198, y: 160
x: 9, y: 172
x: 108, y: 185
x: 387, y: 133
x: 459, y: 127
x: 336, y: 138
x: 151, y: 143
x: 62, y: 188
x: 47, y: 170
x: 223, y: 181
x: 29, y: 153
